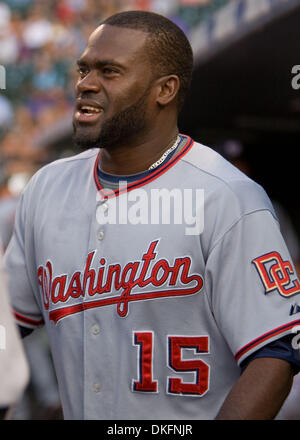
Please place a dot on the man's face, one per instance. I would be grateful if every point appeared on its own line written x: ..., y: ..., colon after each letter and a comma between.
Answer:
x: 113, y: 88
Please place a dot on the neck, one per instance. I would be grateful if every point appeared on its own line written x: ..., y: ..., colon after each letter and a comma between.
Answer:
x: 139, y: 155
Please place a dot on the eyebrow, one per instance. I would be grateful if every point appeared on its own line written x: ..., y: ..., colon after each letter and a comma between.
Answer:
x: 99, y: 63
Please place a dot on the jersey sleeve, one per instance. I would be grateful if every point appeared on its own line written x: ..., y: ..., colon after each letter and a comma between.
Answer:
x: 281, y: 349
x: 253, y: 284
x: 20, y: 266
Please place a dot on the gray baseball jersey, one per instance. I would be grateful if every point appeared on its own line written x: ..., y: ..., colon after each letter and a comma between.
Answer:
x: 151, y: 297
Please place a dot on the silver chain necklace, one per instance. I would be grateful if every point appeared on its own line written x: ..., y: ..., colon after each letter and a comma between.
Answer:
x: 166, y: 153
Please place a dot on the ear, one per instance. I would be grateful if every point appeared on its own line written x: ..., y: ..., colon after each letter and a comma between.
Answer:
x: 167, y: 89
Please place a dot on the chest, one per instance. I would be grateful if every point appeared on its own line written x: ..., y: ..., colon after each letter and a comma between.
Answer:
x: 93, y: 253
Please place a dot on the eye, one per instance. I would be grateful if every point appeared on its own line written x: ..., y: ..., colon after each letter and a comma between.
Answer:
x: 109, y: 71
x: 82, y: 71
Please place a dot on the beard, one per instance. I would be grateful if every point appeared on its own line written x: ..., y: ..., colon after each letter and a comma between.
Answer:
x: 119, y: 129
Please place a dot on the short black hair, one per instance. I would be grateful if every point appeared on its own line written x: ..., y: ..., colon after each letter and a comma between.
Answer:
x: 168, y: 47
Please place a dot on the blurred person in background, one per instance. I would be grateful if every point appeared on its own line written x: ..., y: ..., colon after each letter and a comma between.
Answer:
x: 14, y: 369
x: 8, y: 204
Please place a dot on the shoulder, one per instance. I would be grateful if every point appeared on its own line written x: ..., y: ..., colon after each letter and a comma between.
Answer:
x: 212, y: 164
x: 69, y: 162
x: 69, y: 169
x: 222, y: 180
x: 57, y: 178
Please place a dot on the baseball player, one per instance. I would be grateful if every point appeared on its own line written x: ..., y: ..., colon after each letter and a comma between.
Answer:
x: 156, y: 266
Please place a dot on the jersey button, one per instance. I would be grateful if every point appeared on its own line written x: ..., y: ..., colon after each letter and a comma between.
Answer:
x: 104, y: 207
x: 96, y: 387
x: 100, y: 235
x: 95, y: 329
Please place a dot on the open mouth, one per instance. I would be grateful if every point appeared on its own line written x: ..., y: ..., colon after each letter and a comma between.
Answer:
x: 89, y: 110
x: 87, y: 113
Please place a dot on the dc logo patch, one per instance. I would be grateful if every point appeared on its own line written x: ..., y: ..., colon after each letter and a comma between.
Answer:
x: 277, y: 274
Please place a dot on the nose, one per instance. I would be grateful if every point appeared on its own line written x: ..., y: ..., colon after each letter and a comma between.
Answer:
x: 89, y: 83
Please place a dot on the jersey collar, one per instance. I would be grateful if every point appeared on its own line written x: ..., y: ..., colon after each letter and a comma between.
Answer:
x: 144, y: 180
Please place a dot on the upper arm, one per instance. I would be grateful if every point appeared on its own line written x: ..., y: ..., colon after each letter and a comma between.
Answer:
x: 260, y: 391
x: 252, y: 304
x: 20, y: 268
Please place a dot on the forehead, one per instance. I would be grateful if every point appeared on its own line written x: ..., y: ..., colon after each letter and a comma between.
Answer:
x: 112, y: 42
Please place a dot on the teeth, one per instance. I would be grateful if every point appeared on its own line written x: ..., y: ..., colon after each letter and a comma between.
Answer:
x: 90, y: 109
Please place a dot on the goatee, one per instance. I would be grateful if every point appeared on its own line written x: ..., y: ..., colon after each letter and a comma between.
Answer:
x: 121, y: 127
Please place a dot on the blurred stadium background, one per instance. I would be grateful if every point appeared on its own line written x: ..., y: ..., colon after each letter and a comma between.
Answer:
x: 241, y: 103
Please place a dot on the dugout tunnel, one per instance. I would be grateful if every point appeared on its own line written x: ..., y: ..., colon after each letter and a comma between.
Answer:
x: 242, y: 89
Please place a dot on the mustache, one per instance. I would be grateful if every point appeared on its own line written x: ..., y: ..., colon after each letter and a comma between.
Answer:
x: 89, y: 97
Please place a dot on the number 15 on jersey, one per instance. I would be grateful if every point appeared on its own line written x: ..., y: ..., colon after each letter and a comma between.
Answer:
x: 175, y: 345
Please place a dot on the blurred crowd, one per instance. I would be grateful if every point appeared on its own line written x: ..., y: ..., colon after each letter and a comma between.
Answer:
x: 39, y: 42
